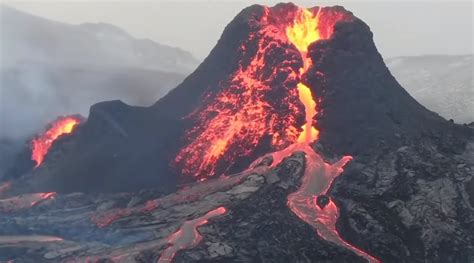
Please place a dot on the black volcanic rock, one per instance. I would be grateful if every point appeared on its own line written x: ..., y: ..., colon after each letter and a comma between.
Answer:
x: 112, y: 152
x: 362, y: 103
x: 402, y: 205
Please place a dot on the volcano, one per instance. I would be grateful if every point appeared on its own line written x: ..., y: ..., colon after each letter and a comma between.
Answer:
x: 247, y: 98
x: 290, y: 142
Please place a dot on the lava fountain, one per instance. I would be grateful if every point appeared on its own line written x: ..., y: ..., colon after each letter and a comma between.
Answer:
x: 42, y: 143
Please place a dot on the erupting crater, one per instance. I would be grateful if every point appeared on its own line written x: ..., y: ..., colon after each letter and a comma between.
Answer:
x: 264, y: 105
x: 267, y: 97
x: 43, y: 142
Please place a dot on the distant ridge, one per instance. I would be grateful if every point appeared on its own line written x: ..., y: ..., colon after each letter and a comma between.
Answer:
x: 442, y: 83
x: 32, y: 38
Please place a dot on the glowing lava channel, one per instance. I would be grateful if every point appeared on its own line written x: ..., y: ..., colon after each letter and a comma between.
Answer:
x: 42, y: 143
x: 311, y: 203
x: 318, y: 175
x: 301, y: 34
x: 187, y: 236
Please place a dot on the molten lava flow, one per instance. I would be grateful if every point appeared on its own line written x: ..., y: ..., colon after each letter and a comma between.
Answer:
x: 309, y: 133
x: 188, y: 236
x: 318, y: 175
x: 303, y: 32
x: 42, y: 144
x: 24, y: 201
x: 192, y: 193
x: 311, y: 203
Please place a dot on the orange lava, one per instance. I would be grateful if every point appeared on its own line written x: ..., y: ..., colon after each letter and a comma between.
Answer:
x: 303, y: 32
x: 317, y: 180
x: 248, y: 110
x: 42, y: 143
x: 235, y: 120
x: 309, y: 133
x: 318, y: 175
x: 188, y: 235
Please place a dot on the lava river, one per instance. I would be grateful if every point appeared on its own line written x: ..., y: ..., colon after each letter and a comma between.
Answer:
x: 310, y: 202
x: 188, y: 235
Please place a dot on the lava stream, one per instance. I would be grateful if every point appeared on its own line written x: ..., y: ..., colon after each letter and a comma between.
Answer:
x: 318, y: 175
x: 188, y: 236
x: 301, y: 34
x: 42, y: 143
x: 191, y: 193
x: 311, y: 203
x: 24, y: 201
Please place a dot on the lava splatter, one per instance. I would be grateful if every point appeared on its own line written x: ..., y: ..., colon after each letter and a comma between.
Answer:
x: 42, y: 143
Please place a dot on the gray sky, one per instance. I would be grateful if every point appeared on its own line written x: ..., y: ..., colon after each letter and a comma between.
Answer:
x: 400, y: 27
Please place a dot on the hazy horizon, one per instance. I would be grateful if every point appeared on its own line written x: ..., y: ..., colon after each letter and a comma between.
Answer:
x: 399, y: 32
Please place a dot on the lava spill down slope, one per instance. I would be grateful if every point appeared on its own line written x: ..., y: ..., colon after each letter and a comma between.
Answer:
x: 262, y: 88
x: 41, y: 145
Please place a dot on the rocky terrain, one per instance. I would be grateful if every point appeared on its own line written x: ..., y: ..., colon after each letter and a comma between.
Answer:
x: 110, y: 191
x: 402, y: 205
